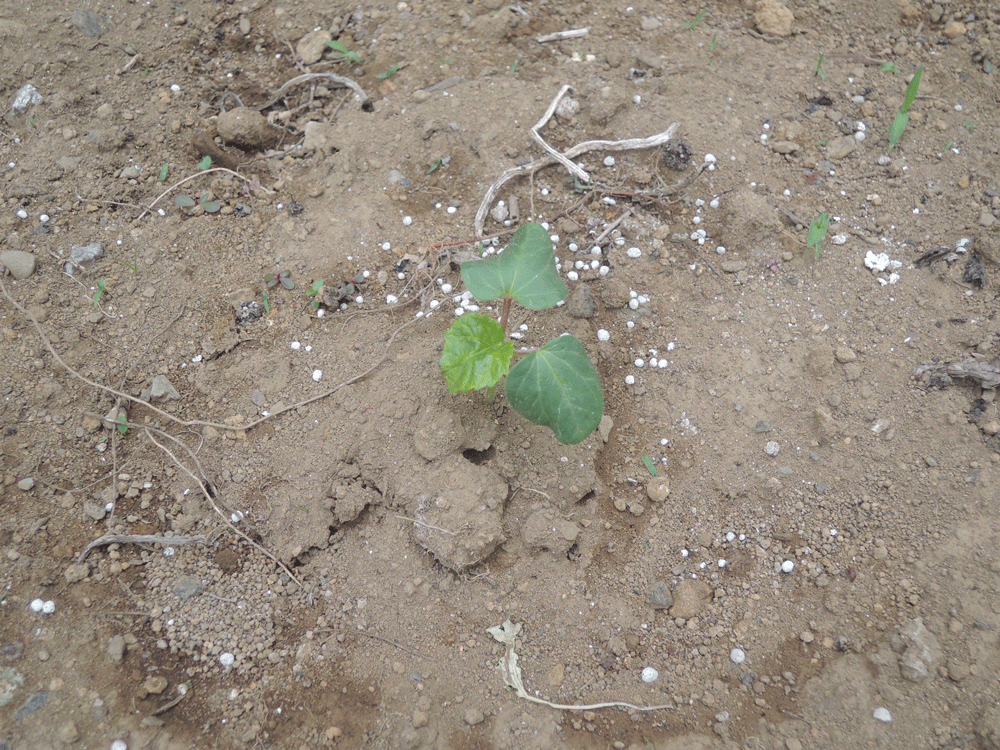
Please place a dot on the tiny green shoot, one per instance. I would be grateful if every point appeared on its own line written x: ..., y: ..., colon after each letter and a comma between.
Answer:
x: 696, y: 21
x: 31, y: 121
x: 205, y: 163
x: 903, y: 116
x: 449, y: 61
x: 890, y: 67
x: 390, y: 72
x: 948, y: 145
x: 513, y: 68
x: 133, y: 268
x: 164, y: 171
x: 649, y: 465
x: 98, y: 293
x: 970, y: 125
x: 208, y: 205
x: 314, y: 290
x: 121, y: 423
x: 435, y: 166
x: 819, y: 68
x: 267, y: 304
x: 345, y: 54
x: 817, y: 232
x: 711, y: 48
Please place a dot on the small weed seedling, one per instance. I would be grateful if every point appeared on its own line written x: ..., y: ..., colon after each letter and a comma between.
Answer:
x: 205, y: 201
x: 164, y: 171
x: 890, y: 67
x: 817, y: 233
x: 314, y: 292
x: 343, y: 53
x: 970, y: 125
x: 556, y: 385
x: 282, y: 277
x: 267, y: 304
x: 390, y: 72
x: 205, y: 163
x: 435, y: 166
x: 98, y: 293
x: 121, y: 423
x: 903, y: 116
x: 710, y: 54
x: 819, y: 68
x: 133, y: 268
x: 696, y: 21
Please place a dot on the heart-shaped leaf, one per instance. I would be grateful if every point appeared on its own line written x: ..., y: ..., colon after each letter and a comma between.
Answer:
x: 557, y: 386
x: 525, y: 271
x: 475, y: 353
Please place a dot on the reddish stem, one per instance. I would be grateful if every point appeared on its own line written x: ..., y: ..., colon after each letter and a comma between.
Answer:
x: 506, y: 313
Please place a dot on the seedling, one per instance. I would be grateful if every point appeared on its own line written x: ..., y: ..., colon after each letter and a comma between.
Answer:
x: 513, y: 68
x: 390, y: 72
x: 819, y: 68
x: 332, y: 296
x: 449, y: 61
x: 314, y: 292
x: 696, y: 21
x: 205, y: 201
x: 711, y: 48
x: 267, y: 305
x: 649, y: 465
x: 121, y: 423
x: 282, y: 277
x: 890, y: 67
x: 555, y: 385
x: 903, y: 116
x: 205, y: 163
x: 98, y: 293
x: 164, y: 171
x: 435, y: 166
x: 817, y: 232
x: 970, y: 125
x: 133, y: 268
x: 343, y: 53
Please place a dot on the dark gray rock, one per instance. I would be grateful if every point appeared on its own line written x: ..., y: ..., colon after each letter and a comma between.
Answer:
x: 659, y: 596
x: 89, y: 23
x: 581, y: 302
x: 187, y: 587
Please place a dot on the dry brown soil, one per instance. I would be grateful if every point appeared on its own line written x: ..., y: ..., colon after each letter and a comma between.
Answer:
x: 348, y: 554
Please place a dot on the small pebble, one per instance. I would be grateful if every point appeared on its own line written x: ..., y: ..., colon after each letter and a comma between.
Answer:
x: 634, y: 252
x: 630, y: 380
x: 737, y: 656
x: 603, y: 335
x: 609, y: 161
x: 649, y: 674
x: 317, y: 375
x: 407, y: 220
x: 227, y: 659
x: 788, y: 566
x: 883, y: 715
x: 36, y: 605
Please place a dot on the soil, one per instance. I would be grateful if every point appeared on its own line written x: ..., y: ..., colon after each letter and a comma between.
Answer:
x: 303, y: 537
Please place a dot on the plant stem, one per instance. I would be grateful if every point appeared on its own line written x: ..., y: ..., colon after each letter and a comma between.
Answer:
x: 506, y: 314
x: 491, y: 393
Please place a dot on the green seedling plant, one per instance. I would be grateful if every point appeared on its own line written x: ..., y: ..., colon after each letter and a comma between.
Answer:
x: 819, y: 68
x: 121, y: 423
x: 343, y: 53
x: 267, y: 303
x: 903, y: 116
x: 314, y: 292
x: 711, y: 49
x: 98, y: 293
x: 205, y: 201
x: 205, y: 163
x: 817, y: 233
x: 696, y: 21
x: 390, y: 72
x: 282, y: 277
x: 555, y: 385
x: 890, y: 67
x: 435, y: 166
x: 164, y: 171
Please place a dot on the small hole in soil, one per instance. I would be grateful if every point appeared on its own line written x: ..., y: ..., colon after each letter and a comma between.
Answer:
x: 479, y: 457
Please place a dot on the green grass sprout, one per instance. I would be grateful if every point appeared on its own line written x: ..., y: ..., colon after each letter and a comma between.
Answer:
x: 98, y: 293
x: 344, y: 53
x: 696, y: 21
x: 164, y: 171
x: 817, y: 232
x: 390, y: 72
x: 903, y: 116
x: 819, y: 68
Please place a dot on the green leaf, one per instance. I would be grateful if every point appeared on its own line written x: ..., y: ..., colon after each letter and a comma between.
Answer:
x: 205, y: 163
x: 164, y: 171
x: 526, y: 271
x: 911, y: 90
x: 475, y: 353
x: 817, y: 231
x: 390, y: 72
x: 897, y: 128
x: 122, y: 424
x: 557, y: 386
x: 184, y: 201
x: 211, y: 207
x: 649, y: 465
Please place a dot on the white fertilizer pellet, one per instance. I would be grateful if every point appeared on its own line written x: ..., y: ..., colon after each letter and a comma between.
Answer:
x: 633, y: 304
x: 630, y: 380
x: 634, y: 252
x: 119, y: 745
x: 226, y: 659
x: 649, y: 674
x: 36, y: 605
x: 317, y: 375
x: 604, y: 270
x: 603, y: 335
x: 737, y: 656
x: 572, y: 276
x: 788, y: 566
x: 446, y: 288
x: 296, y: 345
x: 434, y: 304
x: 48, y: 607
x: 386, y: 246
x: 391, y: 299
x: 609, y: 161
x: 639, y: 362
x: 407, y: 220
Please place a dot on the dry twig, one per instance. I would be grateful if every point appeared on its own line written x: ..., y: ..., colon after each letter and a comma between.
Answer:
x: 138, y: 539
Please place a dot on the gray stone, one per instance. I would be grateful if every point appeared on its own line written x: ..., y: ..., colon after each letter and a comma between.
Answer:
x: 89, y: 23
x: 31, y: 705
x: 785, y: 147
x: 659, y: 596
x: 763, y: 426
x: 733, y: 266
x: 248, y: 129
x: 81, y: 254
x: 987, y: 219
x: 162, y: 389
x: 26, y: 484
x: 312, y: 46
x: 474, y: 716
x: 116, y: 649
x: 26, y: 96
x: 841, y: 147
x: 68, y: 163
x: 132, y: 172
x: 76, y: 572
x: 605, y: 427
x: 923, y: 652
x: 94, y: 510
x: 581, y: 302
x: 186, y: 587
x: 20, y: 264
x: 396, y: 178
